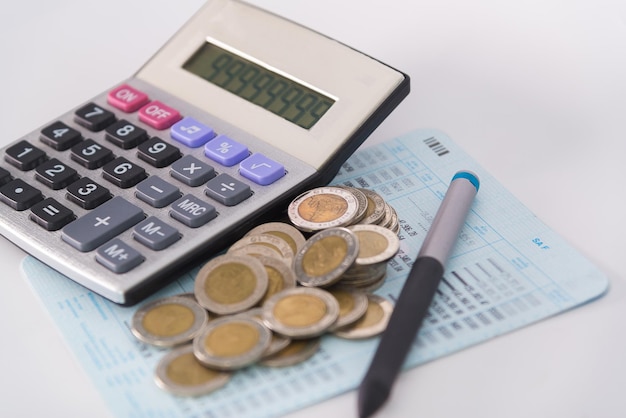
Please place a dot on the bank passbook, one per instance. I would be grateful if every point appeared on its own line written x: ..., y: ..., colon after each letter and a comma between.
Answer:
x: 239, y: 112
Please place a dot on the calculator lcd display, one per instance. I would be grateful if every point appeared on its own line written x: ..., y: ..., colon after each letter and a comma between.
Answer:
x: 257, y: 84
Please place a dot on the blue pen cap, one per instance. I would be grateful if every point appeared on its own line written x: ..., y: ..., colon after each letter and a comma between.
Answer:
x: 468, y: 175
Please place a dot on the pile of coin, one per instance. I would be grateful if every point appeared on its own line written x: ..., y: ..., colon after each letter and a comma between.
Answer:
x: 333, y: 206
x: 271, y: 296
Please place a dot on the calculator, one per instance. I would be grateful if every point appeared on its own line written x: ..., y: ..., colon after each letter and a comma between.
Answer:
x: 239, y: 112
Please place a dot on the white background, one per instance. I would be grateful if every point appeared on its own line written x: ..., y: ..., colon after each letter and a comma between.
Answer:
x: 534, y: 90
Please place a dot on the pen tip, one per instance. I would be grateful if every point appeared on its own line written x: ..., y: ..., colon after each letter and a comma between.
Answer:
x: 372, y: 394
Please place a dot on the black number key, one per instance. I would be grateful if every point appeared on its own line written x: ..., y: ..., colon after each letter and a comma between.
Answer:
x: 87, y: 193
x: 158, y: 153
x: 24, y: 156
x: 54, y: 174
x: 125, y: 135
x: 94, y: 117
x: 123, y: 173
x: 60, y: 136
x: 51, y: 214
x: 90, y: 154
x: 19, y: 195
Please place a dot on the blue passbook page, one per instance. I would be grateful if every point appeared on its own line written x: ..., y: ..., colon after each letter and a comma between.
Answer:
x: 507, y: 270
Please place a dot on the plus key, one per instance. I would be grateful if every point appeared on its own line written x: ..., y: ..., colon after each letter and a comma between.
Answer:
x: 102, y: 224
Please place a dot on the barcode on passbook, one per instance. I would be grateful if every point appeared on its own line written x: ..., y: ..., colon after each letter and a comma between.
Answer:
x: 436, y: 146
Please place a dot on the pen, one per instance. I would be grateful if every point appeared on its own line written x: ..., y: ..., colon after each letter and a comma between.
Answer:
x: 417, y: 293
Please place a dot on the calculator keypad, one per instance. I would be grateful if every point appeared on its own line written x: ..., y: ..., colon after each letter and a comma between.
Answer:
x: 98, y: 197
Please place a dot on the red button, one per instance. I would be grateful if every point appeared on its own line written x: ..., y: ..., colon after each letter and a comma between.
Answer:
x: 158, y: 115
x: 126, y: 98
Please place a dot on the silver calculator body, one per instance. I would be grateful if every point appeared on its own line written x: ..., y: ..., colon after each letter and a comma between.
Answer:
x: 237, y: 114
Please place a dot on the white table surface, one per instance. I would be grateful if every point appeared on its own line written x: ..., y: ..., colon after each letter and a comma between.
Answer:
x: 534, y: 90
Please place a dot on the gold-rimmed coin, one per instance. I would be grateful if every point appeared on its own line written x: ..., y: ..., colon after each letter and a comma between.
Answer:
x: 279, y: 277
x: 232, y: 342
x: 352, y: 306
x: 372, y: 323
x: 325, y: 257
x: 287, y: 232
x: 296, y: 352
x: 301, y: 312
x: 180, y: 373
x: 169, y: 321
x: 230, y: 283
x: 267, y: 240
x: 322, y: 208
x: 375, y: 207
x: 377, y: 244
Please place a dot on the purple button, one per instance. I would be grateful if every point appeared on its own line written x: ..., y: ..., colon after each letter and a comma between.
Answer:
x: 261, y: 169
x: 225, y: 151
x: 191, y: 132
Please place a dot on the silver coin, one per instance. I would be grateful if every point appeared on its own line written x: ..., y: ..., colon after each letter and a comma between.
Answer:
x: 287, y: 232
x: 232, y: 342
x: 169, y: 321
x: 377, y: 244
x: 352, y: 306
x: 375, y: 207
x: 230, y: 283
x: 372, y: 323
x: 180, y: 373
x: 301, y: 312
x: 362, y: 201
x: 325, y: 257
x: 267, y: 240
x: 296, y: 352
x: 322, y: 208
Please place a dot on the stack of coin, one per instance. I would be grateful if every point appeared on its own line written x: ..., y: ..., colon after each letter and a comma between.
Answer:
x: 335, y: 206
x: 377, y: 245
x: 271, y: 296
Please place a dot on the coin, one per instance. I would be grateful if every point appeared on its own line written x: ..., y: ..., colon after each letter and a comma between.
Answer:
x: 279, y: 277
x: 290, y: 234
x: 321, y: 208
x: 352, y: 306
x: 232, y: 342
x: 361, y: 200
x: 375, y: 207
x: 180, y: 373
x: 256, y: 251
x: 325, y: 257
x: 230, y: 283
x: 277, y: 343
x: 275, y: 243
x: 376, y: 244
x: 387, y: 217
x: 301, y: 312
x: 169, y: 321
x: 296, y: 352
x: 372, y: 323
